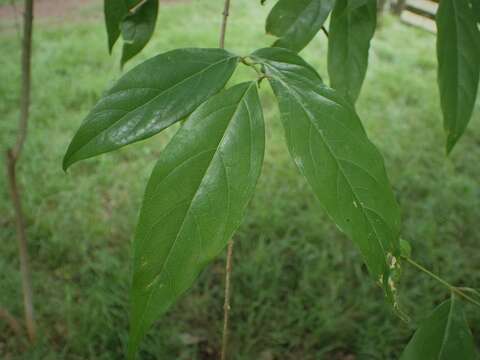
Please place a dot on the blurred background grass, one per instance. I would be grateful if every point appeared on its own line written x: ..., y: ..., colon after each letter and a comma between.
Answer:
x: 300, y: 288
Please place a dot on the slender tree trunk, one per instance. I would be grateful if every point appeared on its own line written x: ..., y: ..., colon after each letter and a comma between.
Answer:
x: 13, y: 156
x: 226, y: 305
x: 228, y: 266
x: 223, y: 30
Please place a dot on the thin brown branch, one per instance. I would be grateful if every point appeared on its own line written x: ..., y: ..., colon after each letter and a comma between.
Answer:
x: 136, y: 7
x: 22, y: 247
x: 228, y: 266
x: 12, y: 157
x: 223, y: 30
x: 26, y: 78
x: 226, y: 304
x: 11, y: 321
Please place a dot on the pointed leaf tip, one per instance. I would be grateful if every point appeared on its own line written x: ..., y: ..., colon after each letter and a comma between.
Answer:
x: 149, y: 98
x: 352, y: 26
x: 114, y: 12
x: 331, y: 149
x: 137, y: 28
x: 458, y: 55
x: 194, y: 201
x: 297, y: 22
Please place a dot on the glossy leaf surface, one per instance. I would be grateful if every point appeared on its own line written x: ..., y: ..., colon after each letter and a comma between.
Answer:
x: 195, y: 200
x: 149, y: 98
x: 458, y: 52
x: 331, y: 149
x: 352, y: 26
x: 137, y: 29
x: 444, y: 335
x: 296, y: 22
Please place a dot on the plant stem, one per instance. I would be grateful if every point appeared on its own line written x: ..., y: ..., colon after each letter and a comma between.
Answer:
x: 228, y: 265
x: 252, y: 65
x: 223, y: 30
x: 26, y: 78
x: 22, y: 247
x: 452, y: 288
x: 226, y: 304
x: 13, y: 155
x: 137, y: 6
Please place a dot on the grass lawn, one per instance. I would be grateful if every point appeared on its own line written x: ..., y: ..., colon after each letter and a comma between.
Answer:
x: 300, y: 288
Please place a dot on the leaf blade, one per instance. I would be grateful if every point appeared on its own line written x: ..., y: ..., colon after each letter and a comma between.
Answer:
x: 296, y: 22
x: 149, y: 98
x: 458, y: 55
x: 443, y: 335
x: 476, y: 9
x: 344, y: 169
x: 137, y: 29
x: 114, y: 12
x: 195, y: 200
x: 352, y: 26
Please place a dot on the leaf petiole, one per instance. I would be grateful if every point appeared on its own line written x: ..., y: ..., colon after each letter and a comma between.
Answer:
x: 457, y: 290
x: 246, y: 62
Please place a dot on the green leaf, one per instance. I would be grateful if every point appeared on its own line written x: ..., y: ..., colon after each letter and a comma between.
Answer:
x: 352, y: 26
x: 137, y: 29
x: 296, y: 22
x: 444, y: 335
x: 331, y: 149
x: 149, y: 98
x: 405, y: 248
x: 458, y: 53
x: 476, y: 9
x: 195, y: 200
x: 114, y: 11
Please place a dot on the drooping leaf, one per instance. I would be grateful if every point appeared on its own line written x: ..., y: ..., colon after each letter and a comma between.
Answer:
x: 352, y: 26
x: 444, y: 335
x: 296, y: 22
x: 331, y: 149
x: 458, y: 53
x: 114, y: 11
x: 149, y: 98
x: 195, y: 200
x: 137, y: 29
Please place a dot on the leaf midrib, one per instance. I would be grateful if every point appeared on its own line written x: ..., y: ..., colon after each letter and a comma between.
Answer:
x: 446, y: 334
x: 456, y: 69
x: 294, y: 22
x: 148, y: 102
x: 291, y: 29
x: 339, y: 166
x: 242, y: 99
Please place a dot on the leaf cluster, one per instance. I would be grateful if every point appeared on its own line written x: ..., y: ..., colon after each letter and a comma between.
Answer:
x: 198, y: 191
